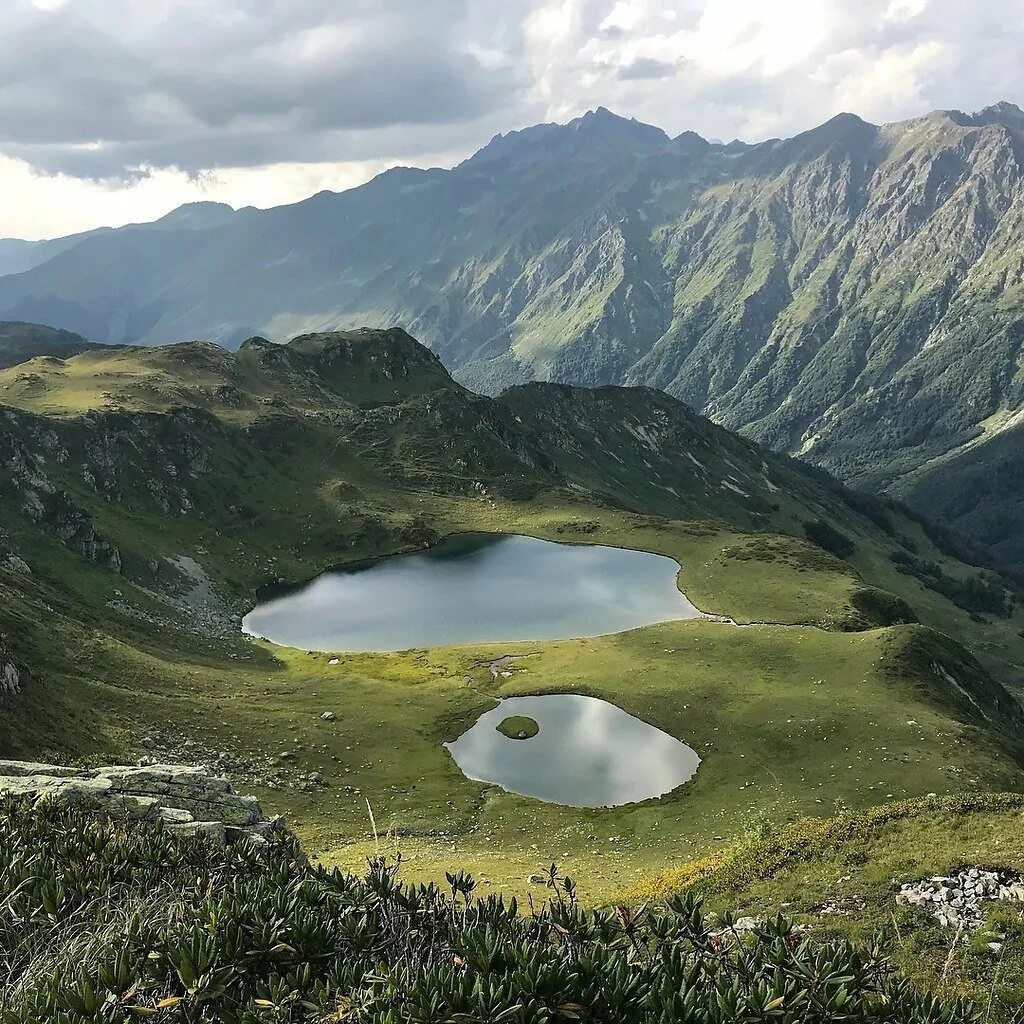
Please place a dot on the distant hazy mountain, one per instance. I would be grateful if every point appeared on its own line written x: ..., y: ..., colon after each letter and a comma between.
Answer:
x: 851, y: 295
x: 19, y: 254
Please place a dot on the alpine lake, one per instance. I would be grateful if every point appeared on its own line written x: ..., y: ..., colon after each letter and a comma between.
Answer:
x: 561, y: 748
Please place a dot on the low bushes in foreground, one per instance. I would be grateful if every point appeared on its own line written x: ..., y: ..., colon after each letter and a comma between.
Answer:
x: 109, y: 921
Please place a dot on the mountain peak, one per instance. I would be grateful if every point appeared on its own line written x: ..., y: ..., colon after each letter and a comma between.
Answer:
x: 198, y: 215
x: 600, y: 127
x: 1004, y: 112
x: 845, y: 132
x: 606, y: 122
x: 691, y: 145
x: 371, y: 365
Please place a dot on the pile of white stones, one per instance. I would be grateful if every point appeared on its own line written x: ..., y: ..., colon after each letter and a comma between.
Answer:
x: 955, y: 900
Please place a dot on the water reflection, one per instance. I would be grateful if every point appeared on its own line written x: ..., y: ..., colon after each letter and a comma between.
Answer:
x: 475, y: 588
x: 588, y: 753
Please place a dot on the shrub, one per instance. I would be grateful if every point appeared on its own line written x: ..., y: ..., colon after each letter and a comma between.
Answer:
x: 974, y: 594
x: 825, y: 535
x: 108, y: 921
x: 880, y: 608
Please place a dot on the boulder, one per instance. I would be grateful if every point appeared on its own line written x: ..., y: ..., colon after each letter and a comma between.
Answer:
x: 10, y: 674
x: 186, y: 798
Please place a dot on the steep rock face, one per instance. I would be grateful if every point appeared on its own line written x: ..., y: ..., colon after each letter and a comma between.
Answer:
x: 188, y: 799
x: 24, y: 480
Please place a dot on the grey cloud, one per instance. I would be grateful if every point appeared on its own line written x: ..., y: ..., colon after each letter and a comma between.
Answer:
x: 646, y: 68
x: 97, y: 89
x: 199, y: 85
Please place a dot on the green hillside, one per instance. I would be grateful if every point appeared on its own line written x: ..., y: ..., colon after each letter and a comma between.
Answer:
x: 21, y: 341
x: 849, y: 295
x: 835, y: 877
x: 148, y: 493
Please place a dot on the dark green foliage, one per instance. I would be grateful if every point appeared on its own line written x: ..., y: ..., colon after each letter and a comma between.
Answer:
x: 875, y: 509
x: 825, y: 535
x: 105, y: 921
x: 880, y: 608
x: 961, y: 547
x: 974, y: 594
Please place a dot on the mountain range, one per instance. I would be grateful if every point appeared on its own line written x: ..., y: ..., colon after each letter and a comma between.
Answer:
x: 849, y: 295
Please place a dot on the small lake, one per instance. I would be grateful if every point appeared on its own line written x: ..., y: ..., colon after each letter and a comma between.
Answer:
x: 586, y: 753
x: 475, y: 588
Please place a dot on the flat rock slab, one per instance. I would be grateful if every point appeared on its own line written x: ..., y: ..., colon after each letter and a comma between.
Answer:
x: 187, y: 798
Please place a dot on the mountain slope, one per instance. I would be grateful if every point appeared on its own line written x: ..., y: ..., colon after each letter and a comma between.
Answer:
x: 148, y: 494
x: 20, y: 342
x: 18, y: 254
x: 849, y: 294
x: 977, y: 487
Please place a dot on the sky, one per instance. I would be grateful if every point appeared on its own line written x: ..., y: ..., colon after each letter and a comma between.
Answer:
x: 114, y: 111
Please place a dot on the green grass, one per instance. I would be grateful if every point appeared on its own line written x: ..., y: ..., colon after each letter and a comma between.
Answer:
x: 788, y: 720
x: 855, y: 862
x: 518, y: 727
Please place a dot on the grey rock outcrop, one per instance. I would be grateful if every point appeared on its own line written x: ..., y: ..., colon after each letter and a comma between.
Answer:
x: 15, y: 563
x: 955, y: 900
x: 10, y: 674
x: 188, y: 799
x: 23, y: 473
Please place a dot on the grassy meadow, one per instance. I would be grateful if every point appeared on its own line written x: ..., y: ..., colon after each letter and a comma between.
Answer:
x: 789, y: 719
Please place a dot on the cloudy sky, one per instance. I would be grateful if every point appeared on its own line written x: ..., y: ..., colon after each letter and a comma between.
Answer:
x: 118, y: 110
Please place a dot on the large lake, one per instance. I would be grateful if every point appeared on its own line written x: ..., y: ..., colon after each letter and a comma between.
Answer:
x: 475, y: 588
x: 586, y: 752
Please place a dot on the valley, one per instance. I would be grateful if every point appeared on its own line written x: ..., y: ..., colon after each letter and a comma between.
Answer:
x: 849, y: 295
x: 148, y: 495
x: 511, y: 514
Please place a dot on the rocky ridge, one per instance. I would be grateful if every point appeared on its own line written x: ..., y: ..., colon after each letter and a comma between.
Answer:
x: 188, y: 799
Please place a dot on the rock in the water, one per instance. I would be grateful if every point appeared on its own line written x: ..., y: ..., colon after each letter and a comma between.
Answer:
x: 187, y: 799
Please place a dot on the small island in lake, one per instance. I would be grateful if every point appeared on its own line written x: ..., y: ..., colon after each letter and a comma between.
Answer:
x: 518, y: 727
